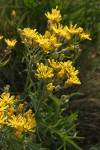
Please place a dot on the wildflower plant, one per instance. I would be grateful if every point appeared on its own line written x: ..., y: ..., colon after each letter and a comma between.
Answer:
x: 6, y: 51
x: 15, y: 120
x: 49, y: 59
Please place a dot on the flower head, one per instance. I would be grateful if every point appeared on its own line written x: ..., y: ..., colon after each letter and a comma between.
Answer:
x: 30, y: 33
x: 73, y: 80
x: 71, y: 29
x: 50, y: 87
x: 10, y: 43
x: 85, y: 36
x: 54, y: 64
x: 44, y: 71
x: 48, y: 42
x: 61, y: 31
x: 54, y: 16
x: 7, y: 99
x: 13, y: 13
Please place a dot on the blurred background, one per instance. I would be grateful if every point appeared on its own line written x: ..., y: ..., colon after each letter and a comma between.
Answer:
x: 85, y: 13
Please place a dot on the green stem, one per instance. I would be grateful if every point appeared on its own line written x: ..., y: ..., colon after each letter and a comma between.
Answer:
x: 41, y: 99
x: 27, y: 83
x: 64, y: 145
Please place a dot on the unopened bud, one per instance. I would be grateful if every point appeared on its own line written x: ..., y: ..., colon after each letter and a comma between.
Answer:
x: 13, y: 13
x: 62, y: 56
x: 57, y: 88
x: 55, y: 55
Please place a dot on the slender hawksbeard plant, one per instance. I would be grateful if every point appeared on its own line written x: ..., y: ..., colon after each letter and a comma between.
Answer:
x: 50, y: 70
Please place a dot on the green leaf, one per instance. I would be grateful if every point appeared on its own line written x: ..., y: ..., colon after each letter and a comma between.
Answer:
x: 21, y: 20
x: 74, y: 94
x: 55, y: 100
x: 33, y: 146
x: 71, y: 142
x: 5, y: 62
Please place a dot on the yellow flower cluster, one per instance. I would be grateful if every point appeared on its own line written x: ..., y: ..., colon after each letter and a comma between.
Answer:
x: 53, y: 37
x: 32, y: 38
x: 55, y: 43
x: 57, y: 70
x: 67, y: 32
x: 16, y: 118
x: 22, y: 122
x: 65, y: 69
x: 10, y: 43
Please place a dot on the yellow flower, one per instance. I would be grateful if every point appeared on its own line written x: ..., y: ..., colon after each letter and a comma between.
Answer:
x: 30, y: 34
x: 54, y: 16
x: 67, y: 65
x: 79, y: 30
x: 54, y: 64
x: 50, y: 87
x: 71, y: 29
x: 44, y: 71
x: 6, y: 98
x: 44, y: 43
x: 58, y: 29
x: 22, y: 123
x: 47, y: 34
x: 85, y: 36
x: 53, y: 42
x: 61, y: 73
x: 48, y: 42
x: 13, y: 13
x: 1, y: 37
x: 73, y: 80
x: 10, y: 43
x: 61, y: 31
